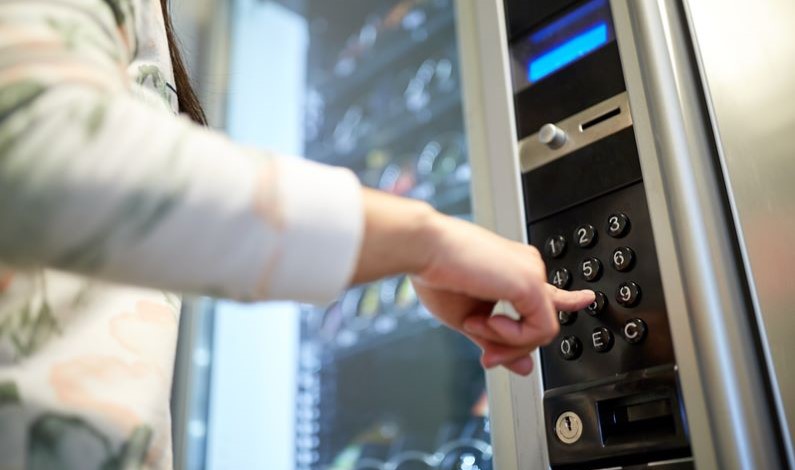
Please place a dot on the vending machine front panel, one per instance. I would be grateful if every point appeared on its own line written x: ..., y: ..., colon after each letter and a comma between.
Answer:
x: 611, y: 392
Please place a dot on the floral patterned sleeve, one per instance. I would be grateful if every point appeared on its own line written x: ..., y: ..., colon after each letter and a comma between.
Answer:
x: 95, y: 181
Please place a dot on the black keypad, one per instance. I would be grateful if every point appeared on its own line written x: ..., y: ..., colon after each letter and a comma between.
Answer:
x: 602, y: 340
x: 590, y: 269
x: 623, y: 259
x: 618, y: 225
x: 628, y: 294
x: 598, y: 305
x: 560, y: 278
x: 555, y: 246
x: 567, y: 318
x: 635, y: 331
x: 585, y: 236
x: 570, y: 348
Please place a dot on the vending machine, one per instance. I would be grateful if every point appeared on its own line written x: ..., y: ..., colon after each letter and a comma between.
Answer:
x: 645, y: 147
x: 381, y: 384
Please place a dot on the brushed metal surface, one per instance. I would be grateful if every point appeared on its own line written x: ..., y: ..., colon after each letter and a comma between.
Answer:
x: 678, y: 136
x: 515, y: 403
x: 747, y: 60
x: 533, y: 153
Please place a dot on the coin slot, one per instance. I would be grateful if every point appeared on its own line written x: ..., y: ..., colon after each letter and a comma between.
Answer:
x: 600, y: 119
x: 636, y: 418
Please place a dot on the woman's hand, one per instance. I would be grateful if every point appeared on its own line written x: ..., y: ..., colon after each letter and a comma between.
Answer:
x: 460, y: 271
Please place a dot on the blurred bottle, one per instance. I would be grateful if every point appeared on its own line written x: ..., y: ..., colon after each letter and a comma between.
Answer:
x: 370, y: 302
x: 412, y: 452
x: 398, y: 178
x: 332, y: 321
x: 368, y: 449
x: 443, y: 165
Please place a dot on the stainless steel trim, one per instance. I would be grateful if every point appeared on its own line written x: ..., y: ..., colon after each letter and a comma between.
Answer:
x: 668, y: 462
x: 533, y: 153
x: 676, y: 147
x: 515, y: 403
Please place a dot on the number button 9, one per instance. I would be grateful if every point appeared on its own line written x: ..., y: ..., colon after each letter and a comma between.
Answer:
x: 591, y: 269
x: 628, y: 294
x: 560, y: 278
x: 555, y: 246
x: 617, y: 225
x: 585, y: 236
x: 623, y: 259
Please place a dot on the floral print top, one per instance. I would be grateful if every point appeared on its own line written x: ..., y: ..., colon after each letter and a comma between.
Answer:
x: 103, y: 188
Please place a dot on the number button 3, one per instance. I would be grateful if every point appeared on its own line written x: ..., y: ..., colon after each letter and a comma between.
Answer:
x: 617, y: 225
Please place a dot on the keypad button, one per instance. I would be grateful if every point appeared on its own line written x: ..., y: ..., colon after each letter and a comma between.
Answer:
x: 567, y: 318
x: 618, y: 225
x: 560, y: 278
x: 590, y: 269
x: 602, y: 340
x: 555, y: 246
x: 570, y: 348
x: 623, y: 259
x: 635, y: 330
x: 628, y: 294
x: 598, y: 305
x: 585, y: 236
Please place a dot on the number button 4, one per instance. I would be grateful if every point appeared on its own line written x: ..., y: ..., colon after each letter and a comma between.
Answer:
x: 560, y: 278
x: 585, y: 236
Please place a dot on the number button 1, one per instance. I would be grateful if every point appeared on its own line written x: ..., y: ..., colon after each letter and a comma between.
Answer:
x: 560, y: 278
x: 585, y: 236
x: 628, y: 294
x: 591, y: 269
x: 555, y: 246
x: 617, y: 225
x: 623, y: 259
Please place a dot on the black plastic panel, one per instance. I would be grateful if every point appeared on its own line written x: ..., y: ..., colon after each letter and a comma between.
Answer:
x: 591, y: 80
x: 600, y: 168
x: 664, y: 437
x: 524, y: 13
x: 656, y: 348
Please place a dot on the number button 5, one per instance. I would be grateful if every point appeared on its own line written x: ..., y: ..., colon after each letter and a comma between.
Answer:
x: 591, y: 269
x: 585, y: 236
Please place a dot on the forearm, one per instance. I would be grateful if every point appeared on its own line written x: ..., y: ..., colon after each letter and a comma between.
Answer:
x: 399, y: 236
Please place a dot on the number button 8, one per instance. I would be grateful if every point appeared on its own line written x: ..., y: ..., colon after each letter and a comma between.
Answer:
x: 585, y: 236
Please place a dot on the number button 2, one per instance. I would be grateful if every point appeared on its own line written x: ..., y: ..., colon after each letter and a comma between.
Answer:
x: 617, y: 225
x: 591, y: 269
x: 623, y: 259
x: 560, y: 278
x: 585, y: 236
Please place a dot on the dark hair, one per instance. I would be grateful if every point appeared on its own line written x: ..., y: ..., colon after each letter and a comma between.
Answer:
x: 188, y: 101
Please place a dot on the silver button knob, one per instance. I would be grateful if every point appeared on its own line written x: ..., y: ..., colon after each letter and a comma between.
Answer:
x: 552, y: 136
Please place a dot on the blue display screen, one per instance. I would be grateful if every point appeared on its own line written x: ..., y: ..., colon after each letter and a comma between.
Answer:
x: 568, y: 52
x: 563, y: 40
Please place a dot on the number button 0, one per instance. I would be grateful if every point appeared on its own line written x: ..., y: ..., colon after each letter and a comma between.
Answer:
x: 555, y: 246
x: 591, y: 269
x: 560, y: 278
x: 623, y: 259
x: 585, y: 236
x: 570, y: 348
x: 628, y: 294
x: 617, y: 225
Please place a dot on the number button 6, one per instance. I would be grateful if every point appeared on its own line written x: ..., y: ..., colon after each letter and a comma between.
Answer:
x: 623, y: 259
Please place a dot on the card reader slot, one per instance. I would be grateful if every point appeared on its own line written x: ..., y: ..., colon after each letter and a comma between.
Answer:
x: 636, y: 418
x: 600, y: 119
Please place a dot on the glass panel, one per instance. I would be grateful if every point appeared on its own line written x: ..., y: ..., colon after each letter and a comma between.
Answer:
x: 381, y: 383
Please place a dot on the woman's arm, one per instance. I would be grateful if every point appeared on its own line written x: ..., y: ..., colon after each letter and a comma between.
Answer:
x: 460, y: 271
